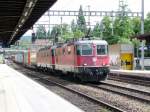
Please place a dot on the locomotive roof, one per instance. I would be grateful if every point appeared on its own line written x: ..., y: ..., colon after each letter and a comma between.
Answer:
x: 76, y: 43
x: 91, y: 41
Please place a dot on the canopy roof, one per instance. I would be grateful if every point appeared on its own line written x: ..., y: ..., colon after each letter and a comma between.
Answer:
x: 17, y: 16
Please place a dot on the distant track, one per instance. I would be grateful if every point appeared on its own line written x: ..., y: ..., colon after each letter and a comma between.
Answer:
x: 143, y: 96
x: 132, y: 80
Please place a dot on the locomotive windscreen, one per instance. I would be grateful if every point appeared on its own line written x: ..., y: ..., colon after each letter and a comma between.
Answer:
x: 87, y: 49
x: 101, y: 49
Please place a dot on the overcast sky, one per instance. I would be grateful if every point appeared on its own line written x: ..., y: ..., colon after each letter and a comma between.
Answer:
x: 100, y: 5
x: 134, y: 5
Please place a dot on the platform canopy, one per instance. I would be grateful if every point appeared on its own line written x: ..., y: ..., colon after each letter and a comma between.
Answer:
x: 145, y: 36
x: 17, y: 16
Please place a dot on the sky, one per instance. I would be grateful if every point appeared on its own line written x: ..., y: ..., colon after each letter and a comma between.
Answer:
x: 95, y: 5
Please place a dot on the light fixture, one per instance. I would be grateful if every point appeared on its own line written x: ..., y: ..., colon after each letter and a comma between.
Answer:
x: 22, y: 20
x: 30, y: 4
x: 25, y: 14
x: 20, y: 25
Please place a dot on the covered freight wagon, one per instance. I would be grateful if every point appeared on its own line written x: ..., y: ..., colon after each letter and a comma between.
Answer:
x: 1, y: 58
x: 30, y: 57
x: 121, y: 56
x: 19, y: 58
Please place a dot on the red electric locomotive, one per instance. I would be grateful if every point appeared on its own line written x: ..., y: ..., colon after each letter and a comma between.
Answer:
x: 92, y: 60
x: 86, y: 59
x: 45, y: 58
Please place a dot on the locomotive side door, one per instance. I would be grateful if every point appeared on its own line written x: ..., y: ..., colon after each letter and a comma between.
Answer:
x: 75, y: 58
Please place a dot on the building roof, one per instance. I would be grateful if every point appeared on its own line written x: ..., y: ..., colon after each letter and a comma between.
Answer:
x: 145, y: 36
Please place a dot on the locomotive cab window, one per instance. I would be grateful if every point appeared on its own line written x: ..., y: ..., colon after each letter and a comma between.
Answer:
x: 87, y: 49
x: 101, y: 49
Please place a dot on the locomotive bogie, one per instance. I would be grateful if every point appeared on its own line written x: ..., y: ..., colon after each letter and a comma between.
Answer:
x: 94, y: 74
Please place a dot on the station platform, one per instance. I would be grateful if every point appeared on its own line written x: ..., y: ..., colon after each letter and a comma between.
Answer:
x: 18, y: 93
x: 140, y: 73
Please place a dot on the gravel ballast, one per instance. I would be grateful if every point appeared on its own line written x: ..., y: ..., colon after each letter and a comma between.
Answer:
x: 123, y: 102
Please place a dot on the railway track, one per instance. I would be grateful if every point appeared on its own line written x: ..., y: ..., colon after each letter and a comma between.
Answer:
x: 129, y: 80
x: 106, y: 105
x: 124, y: 91
x: 143, y: 96
x: 44, y: 78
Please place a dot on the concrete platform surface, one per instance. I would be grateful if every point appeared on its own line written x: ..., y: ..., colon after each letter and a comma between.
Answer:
x: 141, y: 73
x: 18, y: 93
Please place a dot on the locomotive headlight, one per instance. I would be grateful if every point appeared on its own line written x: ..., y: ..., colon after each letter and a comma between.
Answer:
x: 85, y: 64
x: 104, y: 64
x: 94, y: 59
x: 107, y: 65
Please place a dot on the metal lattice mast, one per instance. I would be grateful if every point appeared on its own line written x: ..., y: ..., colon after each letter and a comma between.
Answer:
x: 121, y: 2
x: 89, y: 15
x: 122, y: 8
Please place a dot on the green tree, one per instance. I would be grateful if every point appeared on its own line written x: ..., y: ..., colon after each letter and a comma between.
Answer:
x: 61, y: 32
x: 65, y: 28
x: 67, y: 36
x: 136, y: 25
x: 73, y: 26
x: 125, y: 41
x: 106, y: 31
x: 123, y: 29
x: 76, y: 31
x: 106, y: 22
x: 66, y: 32
x: 56, y: 31
x: 49, y: 34
x: 147, y: 23
x: 96, y: 30
x: 41, y: 32
x: 81, y: 23
x: 78, y: 34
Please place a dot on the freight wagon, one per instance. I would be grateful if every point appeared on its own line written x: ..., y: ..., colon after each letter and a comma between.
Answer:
x: 19, y: 58
x: 1, y: 58
x: 27, y: 58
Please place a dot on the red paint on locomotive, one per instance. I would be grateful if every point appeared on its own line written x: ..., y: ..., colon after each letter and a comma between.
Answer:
x: 29, y: 62
x: 87, y: 60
